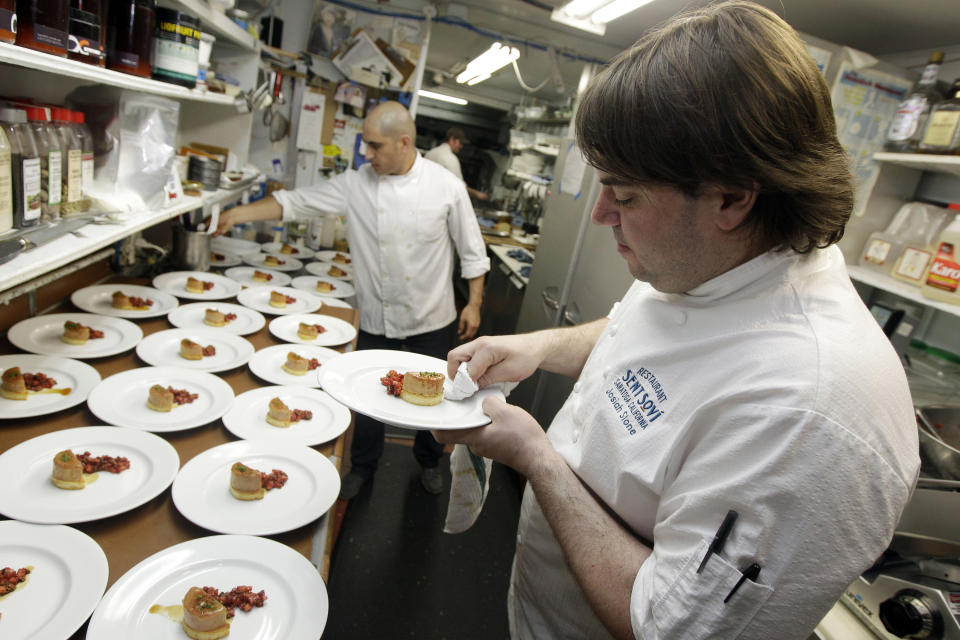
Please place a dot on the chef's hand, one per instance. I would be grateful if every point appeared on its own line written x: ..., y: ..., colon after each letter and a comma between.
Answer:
x: 225, y: 223
x: 513, y: 436
x: 496, y: 359
x: 469, y: 322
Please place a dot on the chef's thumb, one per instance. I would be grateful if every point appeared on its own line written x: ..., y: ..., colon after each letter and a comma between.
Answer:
x: 495, y: 408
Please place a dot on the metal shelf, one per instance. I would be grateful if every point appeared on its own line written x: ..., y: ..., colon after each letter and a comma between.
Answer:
x: 899, y: 288
x: 949, y: 165
x: 30, y: 59
x: 217, y: 24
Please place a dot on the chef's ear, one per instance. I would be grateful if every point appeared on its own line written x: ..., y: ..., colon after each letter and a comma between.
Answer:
x: 735, y: 204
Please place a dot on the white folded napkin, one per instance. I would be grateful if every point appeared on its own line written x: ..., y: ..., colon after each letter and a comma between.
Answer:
x: 470, y: 472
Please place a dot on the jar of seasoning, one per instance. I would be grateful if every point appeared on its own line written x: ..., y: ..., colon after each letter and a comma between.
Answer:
x: 86, y: 39
x: 8, y: 21
x: 176, y: 47
x: 6, y: 186
x: 86, y: 143
x: 130, y: 36
x: 48, y: 144
x: 71, y: 158
x: 24, y: 168
x: 42, y: 25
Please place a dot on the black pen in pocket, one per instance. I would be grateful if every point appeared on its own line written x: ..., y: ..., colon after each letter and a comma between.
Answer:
x: 750, y: 573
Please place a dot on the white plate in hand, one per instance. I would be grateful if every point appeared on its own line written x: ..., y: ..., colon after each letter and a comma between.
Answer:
x: 41, y: 334
x: 296, y: 606
x: 121, y: 399
x: 354, y: 380
x: 258, y: 299
x: 341, y: 289
x: 247, y: 418
x: 162, y: 349
x: 69, y: 575
x: 31, y: 496
x: 78, y: 376
x: 337, y: 331
x: 267, y: 364
x: 201, y: 491
x: 99, y: 299
x: 302, y: 253
x: 175, y: 283
x: 257, y: 260
x: 244, y: 275
x: 189, y: 316
x: 323, y: 269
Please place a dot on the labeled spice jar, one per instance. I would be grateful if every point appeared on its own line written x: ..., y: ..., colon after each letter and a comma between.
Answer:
x: 6, y: 186
x: 130, y: 36
x: 71, y: 164
x: 176, y: 47
x: 24, y: 168
x: 48, y: 144
x: 42, y: 25
x: 86, y: 144
x: 8, y: 21
x: 86, y: 39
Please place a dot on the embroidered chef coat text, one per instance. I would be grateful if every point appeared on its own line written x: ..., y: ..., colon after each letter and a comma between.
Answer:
x: 635, y: 405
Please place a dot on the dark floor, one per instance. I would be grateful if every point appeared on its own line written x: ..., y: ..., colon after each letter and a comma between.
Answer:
x: 395, y: 574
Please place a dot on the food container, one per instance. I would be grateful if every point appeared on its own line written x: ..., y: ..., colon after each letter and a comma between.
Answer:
x: 206, y: 171
x: 176, y: 47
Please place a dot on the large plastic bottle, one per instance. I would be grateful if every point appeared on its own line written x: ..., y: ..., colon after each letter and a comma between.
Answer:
x: 943, y: 278
x: 6, y: 185
x: 24, y: 168
x: 48, y: 143
x: 71, y: 163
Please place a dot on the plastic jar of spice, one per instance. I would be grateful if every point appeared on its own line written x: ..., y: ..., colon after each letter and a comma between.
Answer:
x: 24, y: 168
x: 48, y: 144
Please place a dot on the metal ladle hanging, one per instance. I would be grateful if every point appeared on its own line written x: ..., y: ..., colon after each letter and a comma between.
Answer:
x: 273, y: 117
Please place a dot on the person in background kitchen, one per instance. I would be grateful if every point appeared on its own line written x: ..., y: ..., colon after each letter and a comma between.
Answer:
x: 445, y: 154
x: 406, y: 216
x: 741, y: 371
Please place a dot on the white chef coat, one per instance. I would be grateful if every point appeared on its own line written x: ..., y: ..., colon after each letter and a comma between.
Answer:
x: 769, y: 390
x: 402, y: 232
x: 443, y: 155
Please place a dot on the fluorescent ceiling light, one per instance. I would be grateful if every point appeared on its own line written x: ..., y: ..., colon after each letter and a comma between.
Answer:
x: 484, y: 65
x: 593, y: 15
x: 440, y: 96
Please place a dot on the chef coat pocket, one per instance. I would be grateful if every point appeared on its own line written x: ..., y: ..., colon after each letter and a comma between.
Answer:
x: 431, y: 224
x: 693, y: 607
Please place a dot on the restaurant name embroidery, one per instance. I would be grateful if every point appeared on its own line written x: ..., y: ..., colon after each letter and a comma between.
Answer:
x: 637, y: 398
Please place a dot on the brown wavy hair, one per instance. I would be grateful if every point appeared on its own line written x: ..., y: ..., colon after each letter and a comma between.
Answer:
x: 726, y: 95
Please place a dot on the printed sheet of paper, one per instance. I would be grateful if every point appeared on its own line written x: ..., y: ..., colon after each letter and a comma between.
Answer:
x: 310, y: 128
x: 864, y: 103
x: 573, y: 171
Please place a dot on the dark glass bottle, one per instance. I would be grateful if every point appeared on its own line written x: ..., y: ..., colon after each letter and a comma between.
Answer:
x: 908, y: 123
x: 130, y: 36
x: 42, y: 25
x: 942, y: 134
x: 87, y: 42
x: 8, y: 21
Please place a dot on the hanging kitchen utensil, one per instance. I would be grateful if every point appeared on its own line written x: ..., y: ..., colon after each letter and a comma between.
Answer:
x: 273, y: 118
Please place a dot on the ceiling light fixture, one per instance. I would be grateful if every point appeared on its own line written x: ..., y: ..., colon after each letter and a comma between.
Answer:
x: 593, y: 15
x: 484, y: 65
x: 441, y: 96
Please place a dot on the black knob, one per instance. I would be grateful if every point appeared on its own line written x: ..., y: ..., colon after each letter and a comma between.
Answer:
x: 910, y: 614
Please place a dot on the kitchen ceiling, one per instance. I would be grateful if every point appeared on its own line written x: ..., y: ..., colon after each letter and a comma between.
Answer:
x: 878, y: 27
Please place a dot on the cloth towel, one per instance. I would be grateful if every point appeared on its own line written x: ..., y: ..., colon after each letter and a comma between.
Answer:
x: 470, y: 472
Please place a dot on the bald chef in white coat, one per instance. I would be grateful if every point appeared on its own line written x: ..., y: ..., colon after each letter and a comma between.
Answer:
x: 406, y: 216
